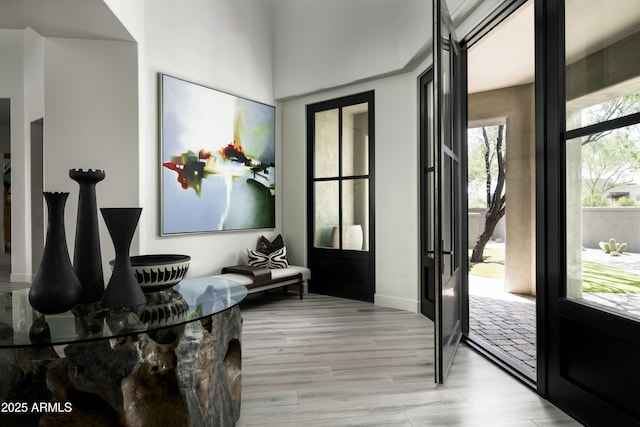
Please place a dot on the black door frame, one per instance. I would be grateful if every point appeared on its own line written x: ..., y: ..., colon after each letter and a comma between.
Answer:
x: 339, y: 272
x: 590, y: 354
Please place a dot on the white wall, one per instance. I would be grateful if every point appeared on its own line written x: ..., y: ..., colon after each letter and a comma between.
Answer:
x: 91, y: 122
x: 130, y: 14
x: 330, y: 43
x: 225, y: 45
x: 396, y: 181
x: 87, y: 92
x: 99, y: 100
x: 33, y: 74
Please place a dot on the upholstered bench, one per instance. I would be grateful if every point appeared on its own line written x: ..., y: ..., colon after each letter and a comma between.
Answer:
x: 258, y: 279
x: 266, y: 267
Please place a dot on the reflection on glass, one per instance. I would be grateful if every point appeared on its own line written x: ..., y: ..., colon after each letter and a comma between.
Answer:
x: 447, y: 218
x: 447, y: 59
x: 603, y: 219
x: 603, y: 69
x: 430, y: 195
x: 355, y: 214
x: 327, y: 211
x: 326, y: 143
x: 355, y: 140
x: 430, y: 130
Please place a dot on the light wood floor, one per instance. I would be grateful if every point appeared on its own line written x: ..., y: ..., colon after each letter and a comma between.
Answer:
x: 327, y: 361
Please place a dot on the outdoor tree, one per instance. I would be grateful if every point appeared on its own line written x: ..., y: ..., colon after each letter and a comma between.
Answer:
x: 609, y: 159
x: 607, y: 165
x: 486, y: 175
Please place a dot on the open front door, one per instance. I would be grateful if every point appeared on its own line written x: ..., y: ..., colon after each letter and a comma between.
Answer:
x: 448, y: 246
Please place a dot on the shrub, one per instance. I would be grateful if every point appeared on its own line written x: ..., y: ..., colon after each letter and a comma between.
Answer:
x: 625, y: 201
x: 595, y: 200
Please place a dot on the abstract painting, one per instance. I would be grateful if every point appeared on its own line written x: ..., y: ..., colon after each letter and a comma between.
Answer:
x: 217, y: 160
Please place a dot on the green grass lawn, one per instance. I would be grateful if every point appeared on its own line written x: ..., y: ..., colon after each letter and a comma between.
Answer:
x: 596, y: 277
x: 493, y: 265
x: 604, y: 278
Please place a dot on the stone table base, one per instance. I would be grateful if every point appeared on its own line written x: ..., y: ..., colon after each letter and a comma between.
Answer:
x: 187, y: 375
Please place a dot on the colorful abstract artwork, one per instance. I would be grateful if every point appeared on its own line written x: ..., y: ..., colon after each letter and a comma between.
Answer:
x: 218, y: 160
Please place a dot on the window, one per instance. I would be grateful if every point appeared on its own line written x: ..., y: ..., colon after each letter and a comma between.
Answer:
x: 602, y: 155
x: 341, y: 178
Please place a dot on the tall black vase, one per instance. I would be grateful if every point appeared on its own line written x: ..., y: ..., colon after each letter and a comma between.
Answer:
x: 56, y: 287
x: 123, y: 289
x: 87, y: 260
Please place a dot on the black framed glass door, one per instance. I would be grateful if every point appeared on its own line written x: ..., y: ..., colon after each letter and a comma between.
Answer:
x: 447, y: 192
x: 588, y: 130
x: 340, y: 196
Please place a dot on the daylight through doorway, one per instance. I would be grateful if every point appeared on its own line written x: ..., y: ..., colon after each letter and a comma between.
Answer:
x: 501, y: 192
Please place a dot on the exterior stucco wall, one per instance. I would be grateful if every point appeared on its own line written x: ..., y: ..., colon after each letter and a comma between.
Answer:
x: 515, y: 107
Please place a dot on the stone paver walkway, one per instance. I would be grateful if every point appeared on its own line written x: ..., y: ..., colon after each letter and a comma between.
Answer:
x: 504, y: 321
x: 507, y: 322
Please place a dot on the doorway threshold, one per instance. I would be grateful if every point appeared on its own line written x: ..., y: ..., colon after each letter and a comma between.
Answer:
x: 513, y: 366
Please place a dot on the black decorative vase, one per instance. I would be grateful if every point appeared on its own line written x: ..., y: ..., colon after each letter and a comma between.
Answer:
x: 123, y: 289
x: 87, y: 260
x: 56, y: 287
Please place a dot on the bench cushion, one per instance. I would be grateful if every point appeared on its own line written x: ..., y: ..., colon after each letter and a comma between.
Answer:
x: 255, y: 279
x: 259, y: 274
x: 292, y: 270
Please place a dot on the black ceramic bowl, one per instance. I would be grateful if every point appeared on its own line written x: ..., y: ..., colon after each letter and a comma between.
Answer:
x: 155, y: 272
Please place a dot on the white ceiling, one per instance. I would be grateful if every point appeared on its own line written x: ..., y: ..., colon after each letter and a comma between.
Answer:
x: 506, y: 56
x: 83, y: 19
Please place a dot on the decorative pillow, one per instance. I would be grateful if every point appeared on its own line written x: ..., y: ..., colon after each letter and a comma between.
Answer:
x: 266, y: 247
x: 276, y: 259
x: 257, y: 259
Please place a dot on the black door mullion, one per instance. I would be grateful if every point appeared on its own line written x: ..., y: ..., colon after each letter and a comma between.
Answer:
x: 340, y: 224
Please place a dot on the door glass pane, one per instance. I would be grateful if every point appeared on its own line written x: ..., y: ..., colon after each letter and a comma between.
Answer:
x: 355, y: 214
x: 603, y: 219
x: 430, y: 130
x: 447, y: 218
x: 327, y: 134
x: 430, y: 212
x: 603, y: 67
x: 455, y: 217
x: 327, y: 199
x: 447, y: 105
x: 355, y: 140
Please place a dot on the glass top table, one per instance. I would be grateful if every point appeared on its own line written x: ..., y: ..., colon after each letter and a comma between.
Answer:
x: 190, y: 300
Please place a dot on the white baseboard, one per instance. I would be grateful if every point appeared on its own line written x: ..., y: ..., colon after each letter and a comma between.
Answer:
x: 405, y: 304
x: 21, y: 277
